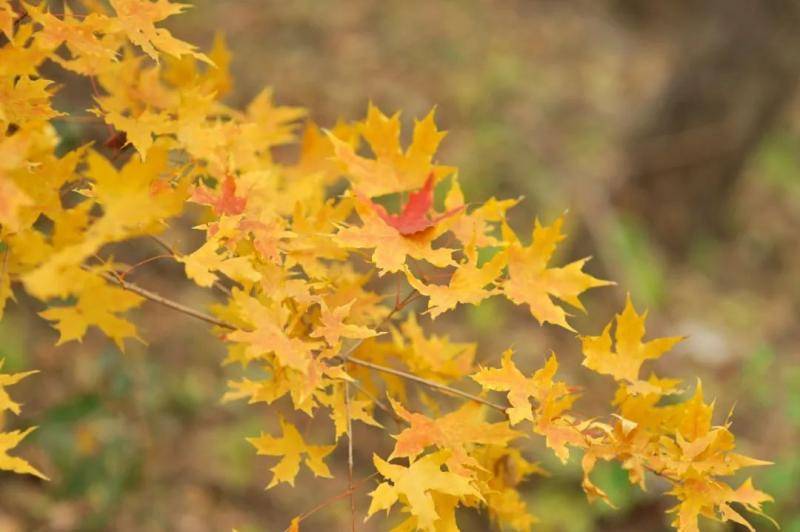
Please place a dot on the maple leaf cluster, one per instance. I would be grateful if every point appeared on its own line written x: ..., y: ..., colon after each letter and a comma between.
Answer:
x: 300, y: 252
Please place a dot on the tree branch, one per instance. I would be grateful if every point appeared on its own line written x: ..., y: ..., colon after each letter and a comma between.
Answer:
x: 163, y: 301
x: 443, y: 388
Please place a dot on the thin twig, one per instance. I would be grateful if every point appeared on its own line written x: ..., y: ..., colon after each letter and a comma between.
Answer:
x: 350, y: 456
x: 324, y: 504
x: 148, y: 260
x: 429, y: 383
x: 164, y: 244
x: 378, y: 402
x: 398, y: 306
x: 171, y: 250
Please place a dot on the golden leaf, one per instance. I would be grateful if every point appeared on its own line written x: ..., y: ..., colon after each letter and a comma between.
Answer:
x: 531, y: 282
x: 291, y: 447
x: 415, y: 487
x: 625, y: 360
x: 392, y: 170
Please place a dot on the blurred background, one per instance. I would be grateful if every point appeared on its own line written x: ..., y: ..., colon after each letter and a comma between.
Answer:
x: 669, y: 130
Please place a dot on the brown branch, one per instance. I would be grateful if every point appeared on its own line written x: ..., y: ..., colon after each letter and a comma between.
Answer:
x: 163, y: 301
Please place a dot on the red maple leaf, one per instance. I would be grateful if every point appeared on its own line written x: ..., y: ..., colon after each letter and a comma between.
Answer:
x: 414, y: 217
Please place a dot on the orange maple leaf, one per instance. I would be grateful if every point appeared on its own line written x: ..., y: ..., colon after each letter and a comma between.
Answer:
x: 225, y: 201
x: 455, y: 432
x: 391, y: 247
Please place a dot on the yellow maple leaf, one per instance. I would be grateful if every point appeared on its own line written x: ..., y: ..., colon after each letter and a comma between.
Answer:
x: 531, y: 282
x: 271, y: 124
x: 217, y: 254
x: 306, y: 389
x: 624, y: 361
x: 359, y: 410
x: 466, y: 286
x: 26, y: 100
x: 139, y: 130
x: 312, y: 246
x: 477, y: 225
x: 135, y: 201
x: 333, y: 328
x: 98, y: 304
x: 12, y: 200
x: 267, y: 334
x: 690, y: 418
x: 220, y: 77
x: 503, y: 468
x: 445, y: 506
x: 137, y: 19
x: 713, y: 499
x: 184, y: 71
x: 553, y: 399
x: 291, y: 447
x: 131, y: 85
x: 40, y: 176
x: 430, y: 355
x: 22, y: 56
x: 8, y: 379
x: 6, y: 292
x: 81, y: 35
x: 393, y: 169
x: 7, y: 18
x: 415, y: 487
x: 507, y: 378
x: 317, y: 151
x: 9, y: 440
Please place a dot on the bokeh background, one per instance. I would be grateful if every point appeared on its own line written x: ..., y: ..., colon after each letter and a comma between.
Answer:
x: 669, y: 130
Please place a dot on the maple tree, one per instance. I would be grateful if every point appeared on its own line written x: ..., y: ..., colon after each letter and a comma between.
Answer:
x: 299, y: 267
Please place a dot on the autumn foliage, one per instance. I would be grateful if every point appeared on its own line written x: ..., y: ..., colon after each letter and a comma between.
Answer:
x: 299, y: 251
